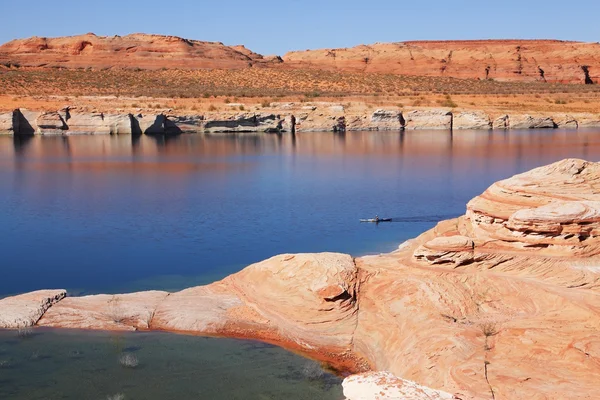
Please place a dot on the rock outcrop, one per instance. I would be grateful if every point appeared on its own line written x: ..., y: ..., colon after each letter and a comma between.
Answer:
x: 25, y: 310
x: 501, y: 303
x: 123, y: 312
x: 131, y: 51
x: 428, y: 119
x: 9, y: 122
x: 311, y: 117
x: 475, y: 120
x: 386, y: 386
x: 530, y: 122
x: 502, y: 60
x: 97, y: 123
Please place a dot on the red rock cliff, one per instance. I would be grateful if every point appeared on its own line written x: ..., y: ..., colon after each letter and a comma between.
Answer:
x: 503, y: 60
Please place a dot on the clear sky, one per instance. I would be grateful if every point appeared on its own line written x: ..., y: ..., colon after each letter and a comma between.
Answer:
x: 274, y: 27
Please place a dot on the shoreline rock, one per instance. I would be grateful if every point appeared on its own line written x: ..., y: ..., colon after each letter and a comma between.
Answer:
x: 316, y: 117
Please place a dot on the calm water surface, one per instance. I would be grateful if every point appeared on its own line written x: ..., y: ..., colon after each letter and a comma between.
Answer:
x: 114, y: 214
x: 111, y: 214
x: 85, y: 366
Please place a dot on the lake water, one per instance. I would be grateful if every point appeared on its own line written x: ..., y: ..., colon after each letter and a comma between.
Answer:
x: 74, y: 365
x: 116, y: 214
x: 110, y: 214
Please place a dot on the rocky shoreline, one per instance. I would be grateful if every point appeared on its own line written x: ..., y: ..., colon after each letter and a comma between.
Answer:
x: 501, y: 303
x: 277, y: 118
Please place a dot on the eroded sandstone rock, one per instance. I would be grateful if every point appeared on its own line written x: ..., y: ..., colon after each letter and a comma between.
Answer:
x: 120, y: 312
x: 567, y: 122
x: 98, y: 123
x: 385, y: 386
x: 26, y: 309
x: 502, y: 122
x: 471, y: 120
x: 9, y: 122
x: 247, y: 122
x: 50, y: 123
x: 530, y: 122
x: 428, y: 119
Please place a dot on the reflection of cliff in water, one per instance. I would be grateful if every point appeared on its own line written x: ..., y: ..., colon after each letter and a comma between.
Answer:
x: 464, y: 150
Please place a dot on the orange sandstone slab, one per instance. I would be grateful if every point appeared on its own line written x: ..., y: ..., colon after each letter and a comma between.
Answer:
x: 26, y: 309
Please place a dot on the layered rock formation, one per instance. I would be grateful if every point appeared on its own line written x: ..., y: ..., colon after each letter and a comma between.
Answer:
x: 131, y: 51
x: 26, y: 310
x: 501, y: 303
x: 503, y: 60
x: 311, y: 117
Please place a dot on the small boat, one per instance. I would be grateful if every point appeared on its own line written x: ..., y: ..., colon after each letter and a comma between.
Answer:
x: 376, y: 220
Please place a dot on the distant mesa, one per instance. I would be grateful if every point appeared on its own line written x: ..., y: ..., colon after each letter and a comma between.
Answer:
x: 132, y: 51
x: 502, y: 60
x: 550, y: 61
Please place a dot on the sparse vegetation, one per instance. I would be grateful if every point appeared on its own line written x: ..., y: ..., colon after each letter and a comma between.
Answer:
x: 489, y: 329
x: 128, y: 360
x: 25, y: 332
x: 115, y: 310
x: 447, y: 102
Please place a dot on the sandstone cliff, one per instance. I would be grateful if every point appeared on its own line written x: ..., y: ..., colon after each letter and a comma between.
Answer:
x: 131, y: 51
x: 501, y: 303
x: 308, y: 117
x: 503, y: 60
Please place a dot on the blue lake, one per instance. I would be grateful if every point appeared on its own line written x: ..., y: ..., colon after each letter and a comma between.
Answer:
x: 115, y: 213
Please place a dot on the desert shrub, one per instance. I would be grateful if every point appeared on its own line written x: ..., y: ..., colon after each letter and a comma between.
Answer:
x: 447, y: 102
x: 115, y: 310
x: 489, y: 329
x: 25, y: 332
x: 128, y: 360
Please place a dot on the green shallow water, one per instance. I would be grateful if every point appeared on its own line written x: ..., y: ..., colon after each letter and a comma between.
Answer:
x: 61, y: 364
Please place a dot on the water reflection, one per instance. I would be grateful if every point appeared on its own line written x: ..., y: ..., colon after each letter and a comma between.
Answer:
x: 103, y: 213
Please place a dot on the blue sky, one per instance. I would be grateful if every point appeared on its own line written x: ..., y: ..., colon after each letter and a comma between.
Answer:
x: 274, y: 27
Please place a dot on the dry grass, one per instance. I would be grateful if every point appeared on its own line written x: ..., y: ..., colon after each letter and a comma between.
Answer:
x: 254, y: 82
x: 208, y: 90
